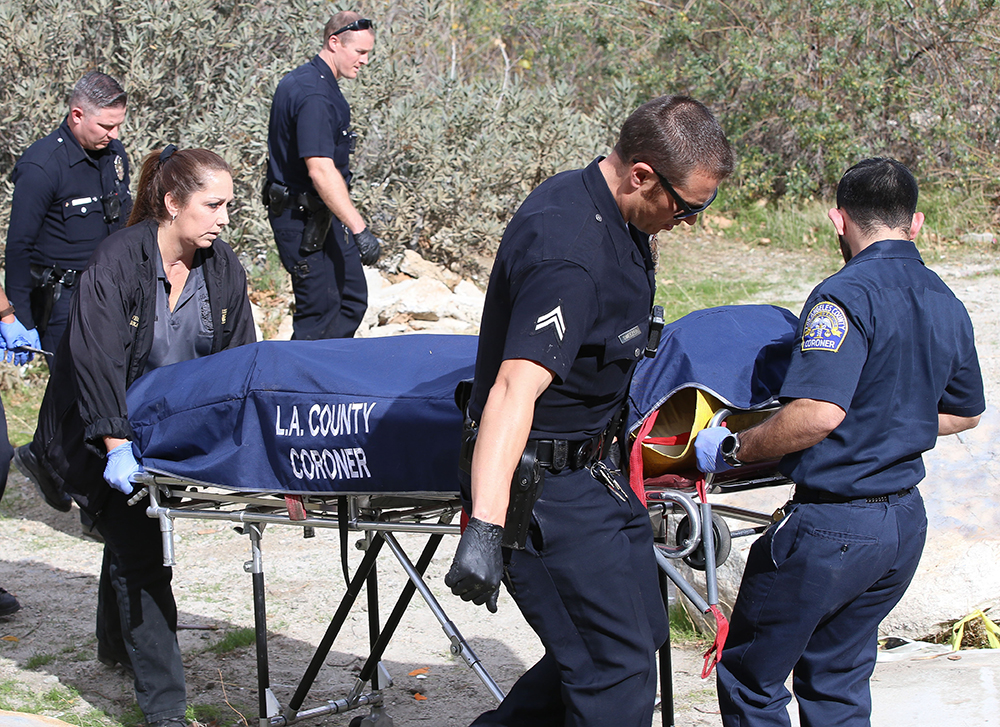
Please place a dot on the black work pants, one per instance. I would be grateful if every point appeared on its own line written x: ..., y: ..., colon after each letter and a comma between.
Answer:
x: 136, y: 612
x: 331, y: 293
x: 587, y: 585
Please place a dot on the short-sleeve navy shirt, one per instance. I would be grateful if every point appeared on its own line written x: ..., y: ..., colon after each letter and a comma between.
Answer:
x: 309, y: 118
x: 571, y: 289
x: 57, y: 216
x: 887, y: 341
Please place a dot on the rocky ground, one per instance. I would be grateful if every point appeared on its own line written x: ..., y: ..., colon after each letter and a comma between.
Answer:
x: 50, y: 645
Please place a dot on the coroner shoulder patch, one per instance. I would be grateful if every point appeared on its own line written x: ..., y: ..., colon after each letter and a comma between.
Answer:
x: 825, y: 328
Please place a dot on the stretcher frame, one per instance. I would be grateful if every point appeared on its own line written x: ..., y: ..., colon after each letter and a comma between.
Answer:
x: 666, y: 496
x: 378, y: 517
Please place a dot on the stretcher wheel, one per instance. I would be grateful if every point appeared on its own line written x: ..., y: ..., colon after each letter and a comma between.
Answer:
x: 723, y: 542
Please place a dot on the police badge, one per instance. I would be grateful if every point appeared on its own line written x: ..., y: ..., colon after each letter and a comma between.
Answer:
x: 120, y: 168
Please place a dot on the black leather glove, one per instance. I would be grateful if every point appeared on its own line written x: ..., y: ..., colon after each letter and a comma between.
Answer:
x: 369, y: 246
x: 475, y: 573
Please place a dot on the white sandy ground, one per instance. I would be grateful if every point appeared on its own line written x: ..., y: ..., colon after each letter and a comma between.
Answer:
x: 54, y: 574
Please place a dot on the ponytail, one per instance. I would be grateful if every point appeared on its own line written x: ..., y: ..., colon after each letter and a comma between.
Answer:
x: 179, y: 172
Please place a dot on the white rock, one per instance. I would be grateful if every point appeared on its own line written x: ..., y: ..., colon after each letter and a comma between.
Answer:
x: 416, y: 267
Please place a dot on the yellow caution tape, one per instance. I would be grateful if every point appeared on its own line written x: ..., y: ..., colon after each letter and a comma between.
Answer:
x: 991, y: 630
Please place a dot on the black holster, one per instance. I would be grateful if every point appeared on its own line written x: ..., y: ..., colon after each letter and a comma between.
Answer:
x: 316, y: 229
x: 275, y: 197
x: 46, y: 291
x: 525, y: 487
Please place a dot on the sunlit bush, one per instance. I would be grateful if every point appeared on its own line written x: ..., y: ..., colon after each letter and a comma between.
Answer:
x: 468, y: 104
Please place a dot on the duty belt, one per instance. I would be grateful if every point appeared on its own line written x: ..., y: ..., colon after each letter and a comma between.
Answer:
x: 55, y: 275
x: 557, y: 455
x: 278, y: 198
x: 806, y: 496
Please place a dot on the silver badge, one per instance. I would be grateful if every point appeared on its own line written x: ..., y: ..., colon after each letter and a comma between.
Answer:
x: 120, y: 168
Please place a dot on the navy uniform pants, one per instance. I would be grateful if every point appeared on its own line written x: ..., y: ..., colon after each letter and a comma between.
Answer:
x: 816, y: 586
x: 331, y: 294
x: 587, y: 585
x: 136, y: 612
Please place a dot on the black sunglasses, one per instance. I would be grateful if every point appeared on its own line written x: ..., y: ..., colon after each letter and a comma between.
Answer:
x: 688, y: 210
x: 359, y: 24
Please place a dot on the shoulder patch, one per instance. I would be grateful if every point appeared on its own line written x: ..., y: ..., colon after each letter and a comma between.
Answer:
x: 825, y: 328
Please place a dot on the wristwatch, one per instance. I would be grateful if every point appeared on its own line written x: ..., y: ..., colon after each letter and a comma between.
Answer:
x: 729, y: 448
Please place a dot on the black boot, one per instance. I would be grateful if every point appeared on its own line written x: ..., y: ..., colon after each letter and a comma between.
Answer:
x: 8, y: 604
x: 30, y: 467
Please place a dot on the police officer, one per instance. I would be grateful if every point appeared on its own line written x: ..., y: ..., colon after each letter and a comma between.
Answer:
x: 309, y: 142
x: 567, y: 316
x: 886, y: 364
x: 70, y: 192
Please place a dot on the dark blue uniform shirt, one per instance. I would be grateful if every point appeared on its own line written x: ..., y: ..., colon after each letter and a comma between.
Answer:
x: 887, y: 341
x: 309, y: 118
x: 571, y: 289
x: 56, y: 215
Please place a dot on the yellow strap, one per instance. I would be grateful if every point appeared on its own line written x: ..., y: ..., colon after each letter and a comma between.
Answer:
x: 991, y: 629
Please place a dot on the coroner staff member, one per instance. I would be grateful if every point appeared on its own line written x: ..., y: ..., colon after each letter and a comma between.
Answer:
x: 163, y: 290
x: 886, y: 363
x: 566, y: 318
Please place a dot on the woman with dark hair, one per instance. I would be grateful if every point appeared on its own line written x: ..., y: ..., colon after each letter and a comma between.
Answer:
x: 164, y: 289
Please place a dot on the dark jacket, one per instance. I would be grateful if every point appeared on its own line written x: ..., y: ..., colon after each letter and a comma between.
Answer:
x: 106, y: 346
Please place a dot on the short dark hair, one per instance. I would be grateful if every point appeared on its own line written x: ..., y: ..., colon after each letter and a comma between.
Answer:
x: 676, y: 135
x: 96, y: 91
x: 338, y: 21
x: 878, y: 192
x: 181, y: 173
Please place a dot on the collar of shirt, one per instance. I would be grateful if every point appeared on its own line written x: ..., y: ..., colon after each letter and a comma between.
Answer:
x: 626, y: 237
x: 884, y: 249
x: 74, y: 149
x: 325, y: 72
x: 188, y: 290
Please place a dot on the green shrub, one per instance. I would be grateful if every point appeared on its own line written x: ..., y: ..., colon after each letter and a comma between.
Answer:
x: 468, y: 104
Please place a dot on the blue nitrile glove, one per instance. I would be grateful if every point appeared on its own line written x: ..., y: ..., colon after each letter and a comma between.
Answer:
x: 369, y: 246
x: 478, y: 566
x: 708, y: 450
x: 14, y: 335
x: 121, y: 467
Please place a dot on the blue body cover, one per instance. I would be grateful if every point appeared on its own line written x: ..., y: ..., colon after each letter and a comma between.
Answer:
x: 737, y: 353
x: 366, y: 416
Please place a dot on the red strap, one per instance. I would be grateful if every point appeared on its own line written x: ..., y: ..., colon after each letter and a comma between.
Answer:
x: 463, y: 521
x: 714, y: 652
x: 699, y: 486
x: 675, y: 440
x: 635, y: 458
x: 296, y: 508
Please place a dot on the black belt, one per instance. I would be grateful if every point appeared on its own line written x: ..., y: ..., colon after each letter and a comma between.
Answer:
x: 557, y: 455
x: 55, y: 275
x: 816, y: 497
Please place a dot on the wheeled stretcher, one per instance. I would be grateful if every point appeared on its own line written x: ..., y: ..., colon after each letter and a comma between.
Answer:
x: 363, y: 436
x: 360, y: 436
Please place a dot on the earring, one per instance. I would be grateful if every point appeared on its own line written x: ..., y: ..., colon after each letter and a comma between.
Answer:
x: 173, y: 217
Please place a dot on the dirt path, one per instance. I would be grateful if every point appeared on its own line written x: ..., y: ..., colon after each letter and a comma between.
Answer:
x: 50, y: 643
